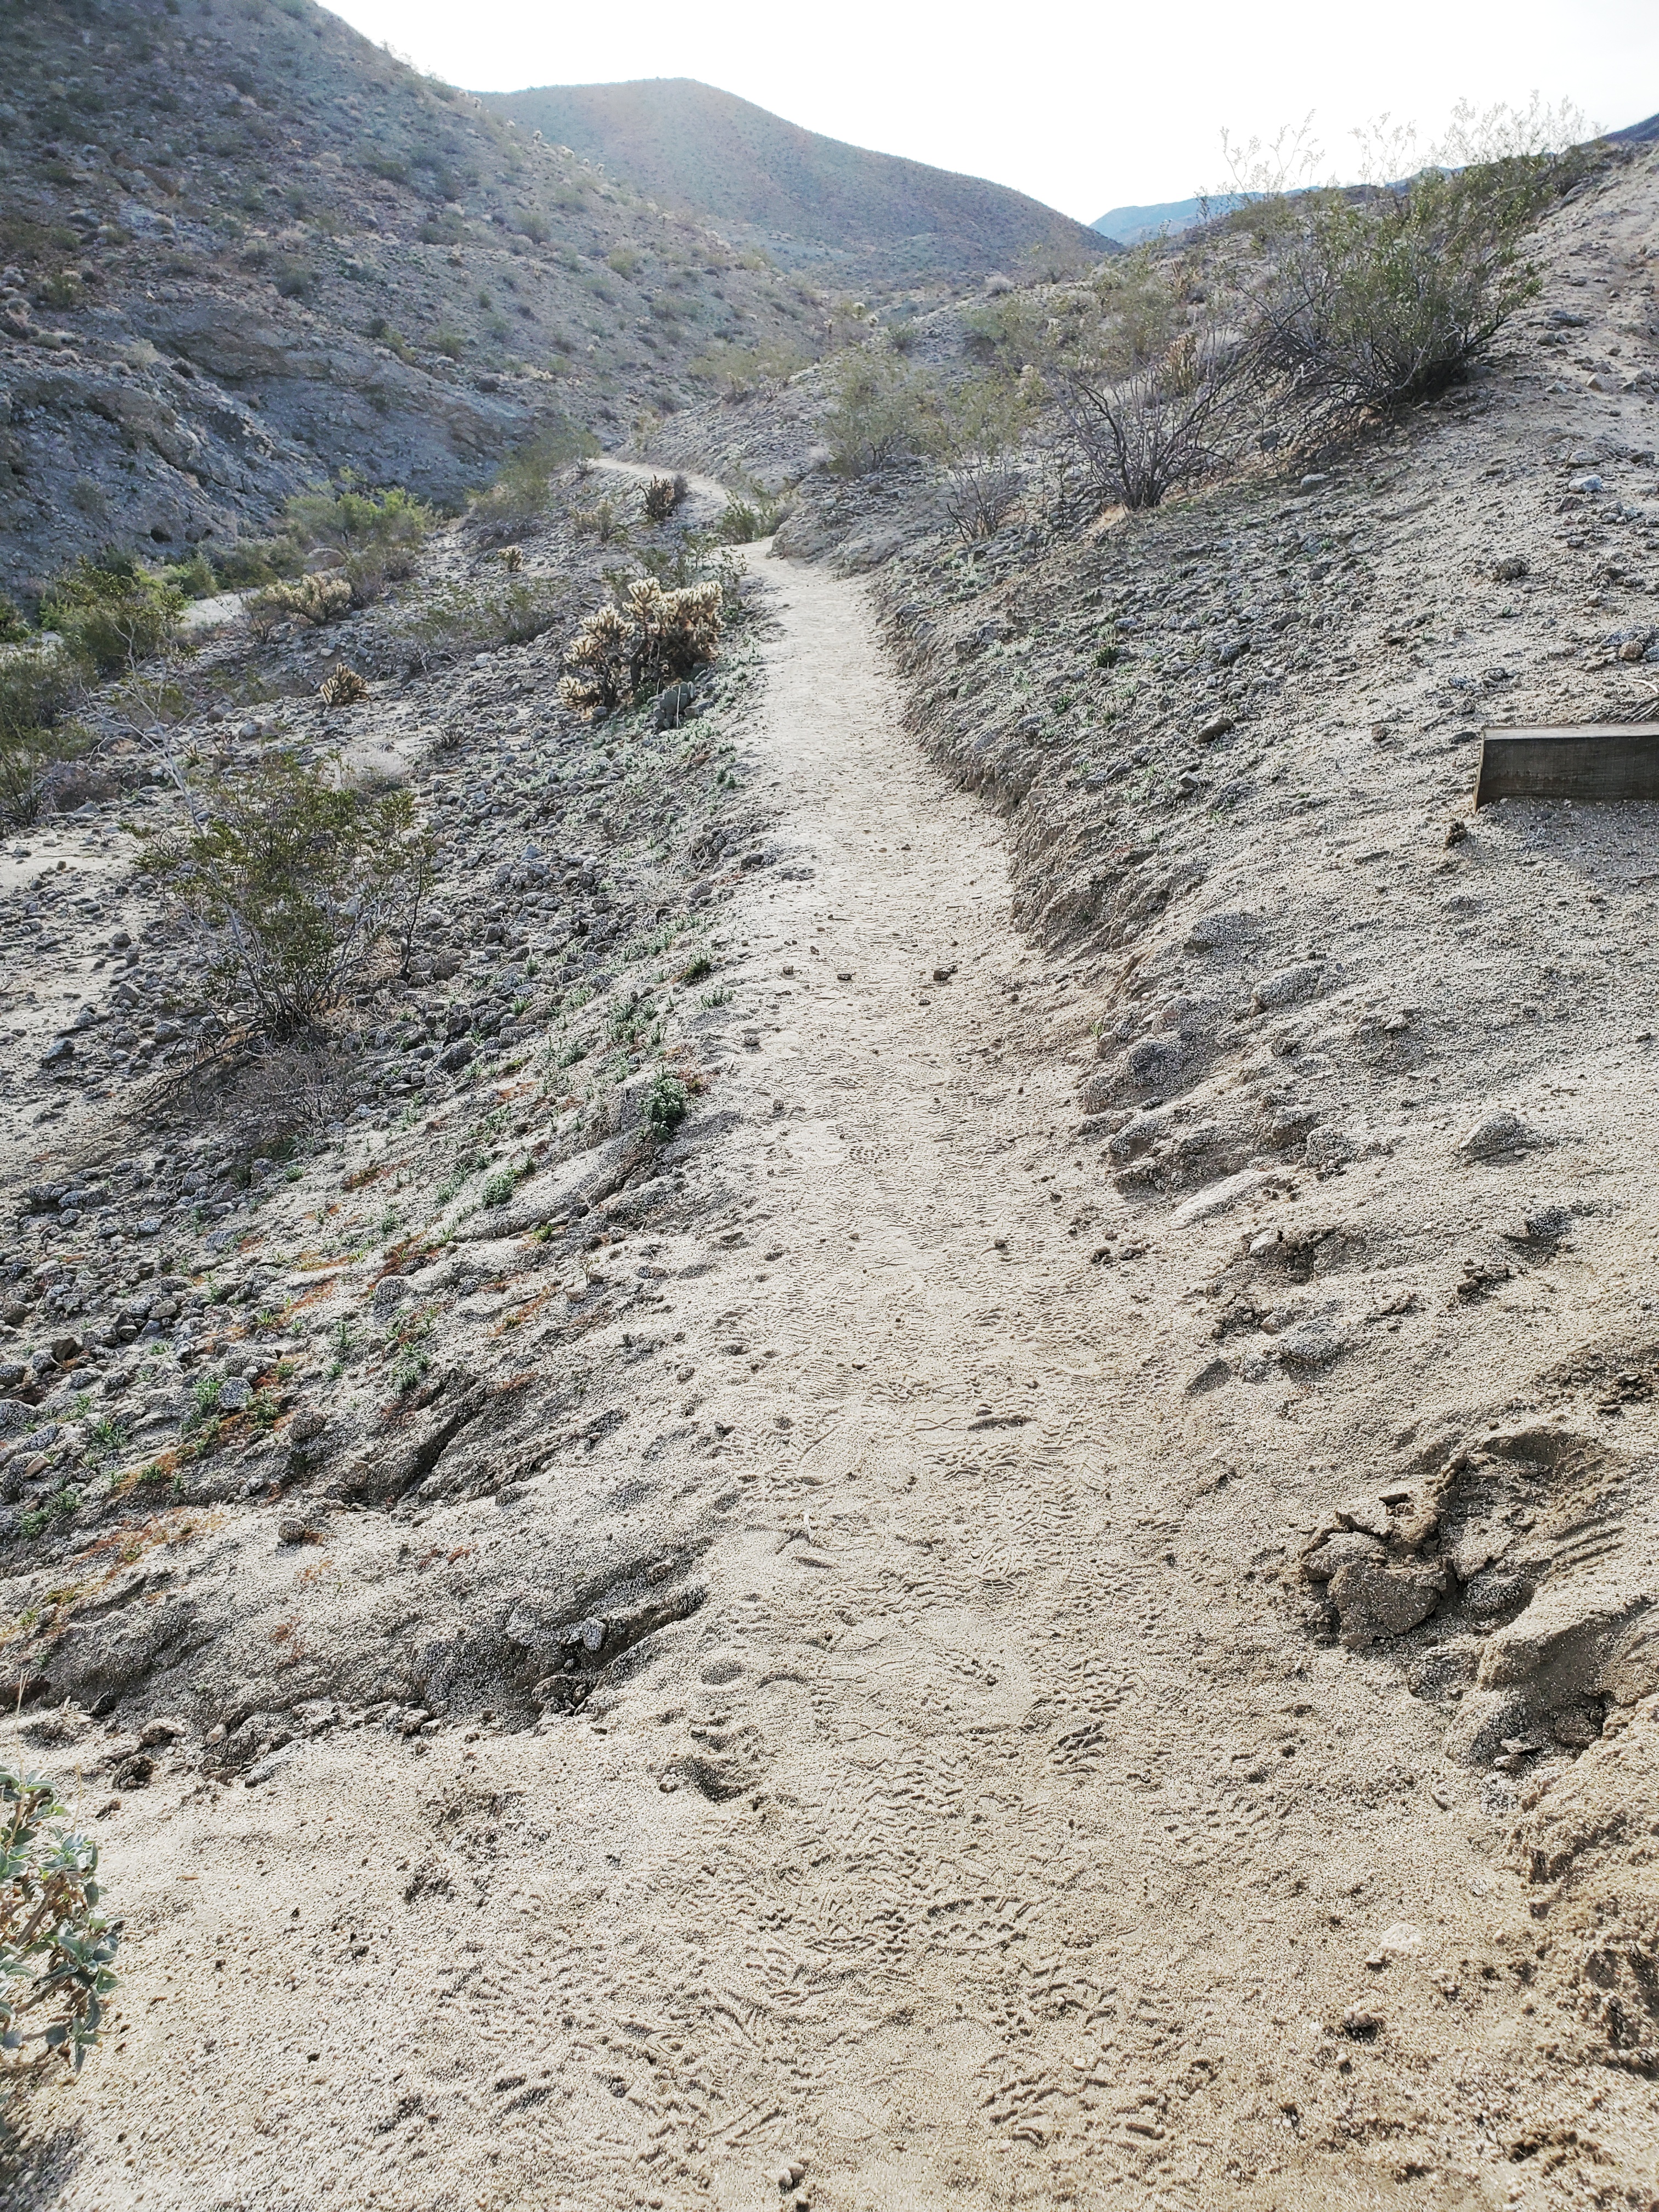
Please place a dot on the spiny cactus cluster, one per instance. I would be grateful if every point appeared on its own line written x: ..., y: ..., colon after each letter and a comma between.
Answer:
x: 344, y: 687
x: 317, y: 598
x: 630, y: 650
x: 662, y: 496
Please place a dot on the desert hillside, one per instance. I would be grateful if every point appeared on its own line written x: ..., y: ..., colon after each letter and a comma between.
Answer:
x: 851, y: 216
x: 904, y: 1451
x: 240, y: 249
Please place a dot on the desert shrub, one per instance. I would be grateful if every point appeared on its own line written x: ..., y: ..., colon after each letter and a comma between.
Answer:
x: 251, y: 561
x: 743, y: 520
x: 877, y: 412
x: 465, y: 617
x: 974, y: 436
x: 523, y: 490
x: 37, y: 688
x: 449, y: 341
x: 666, y: 1104
x: 1147, y: 383
x: 393, y: 521
x: 56, y: 1949
x: 289, y: 883
x: 662, y: 496
x: 195, y: 577
x: 604, y: 520
x: 999, y: 328
x: 13, y: 628
x: 111, y: 612
x: 318, y: 599
x: 1381, y: 299
x: 739, y: 370
x: 631, y: 648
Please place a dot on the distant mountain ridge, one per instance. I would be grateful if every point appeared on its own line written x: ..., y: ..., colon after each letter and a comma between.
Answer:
x: 803, y: 198
x: 1130, y: 225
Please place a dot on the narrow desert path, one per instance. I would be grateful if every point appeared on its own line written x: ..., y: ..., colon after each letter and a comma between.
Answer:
x: 989, y: 1835
x: 1001, y: 1886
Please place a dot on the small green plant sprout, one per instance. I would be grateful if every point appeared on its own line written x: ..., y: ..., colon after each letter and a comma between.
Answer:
x: 57, y: 1949
x: 502, y: 1185
x: 666, y: 1104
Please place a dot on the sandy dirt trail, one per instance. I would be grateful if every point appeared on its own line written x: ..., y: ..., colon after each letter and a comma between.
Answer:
x: 988, y: 1836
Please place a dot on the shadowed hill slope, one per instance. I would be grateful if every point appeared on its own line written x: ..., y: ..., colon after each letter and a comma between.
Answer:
x: 803, y: 195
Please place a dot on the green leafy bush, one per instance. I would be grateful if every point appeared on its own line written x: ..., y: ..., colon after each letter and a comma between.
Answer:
x: 743, y: 520
x: 877, y: 412
x: 523, y: 490
x: 290, y: 883
x: 666, y: 1106
x: 37, y: 688
x: 350, y: 520
x: 14, y: 630
x: 632, y: 648
x: 1381, y: 299
x: 111, y: 612
x: 57, y: 1949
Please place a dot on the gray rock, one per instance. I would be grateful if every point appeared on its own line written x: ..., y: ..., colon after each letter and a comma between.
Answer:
x: 1495, y: 1135
x: 1374, y: 1602
x: 1288, y: 987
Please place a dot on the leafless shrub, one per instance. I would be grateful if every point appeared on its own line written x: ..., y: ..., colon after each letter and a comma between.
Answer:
x: 975, y: 436
x: 1148, y: 382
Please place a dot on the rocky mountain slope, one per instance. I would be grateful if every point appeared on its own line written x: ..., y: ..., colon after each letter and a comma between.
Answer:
x: 857, y: 220
x: 242, y: 248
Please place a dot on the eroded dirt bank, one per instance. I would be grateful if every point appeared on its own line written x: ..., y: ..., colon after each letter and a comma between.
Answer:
x: 976, y: 1817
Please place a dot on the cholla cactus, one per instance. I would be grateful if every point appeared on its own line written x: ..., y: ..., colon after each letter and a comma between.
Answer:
x: 511, y: 558
x: 662, y: 496
x: 317, y: 598
x: 628, y: 652
x: 342, y: 688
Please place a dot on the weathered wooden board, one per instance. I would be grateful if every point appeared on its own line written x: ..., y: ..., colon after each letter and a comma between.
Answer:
x: 1599, y: 760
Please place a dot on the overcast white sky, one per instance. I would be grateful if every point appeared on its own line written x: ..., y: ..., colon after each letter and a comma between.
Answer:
x: 1085, y: 106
